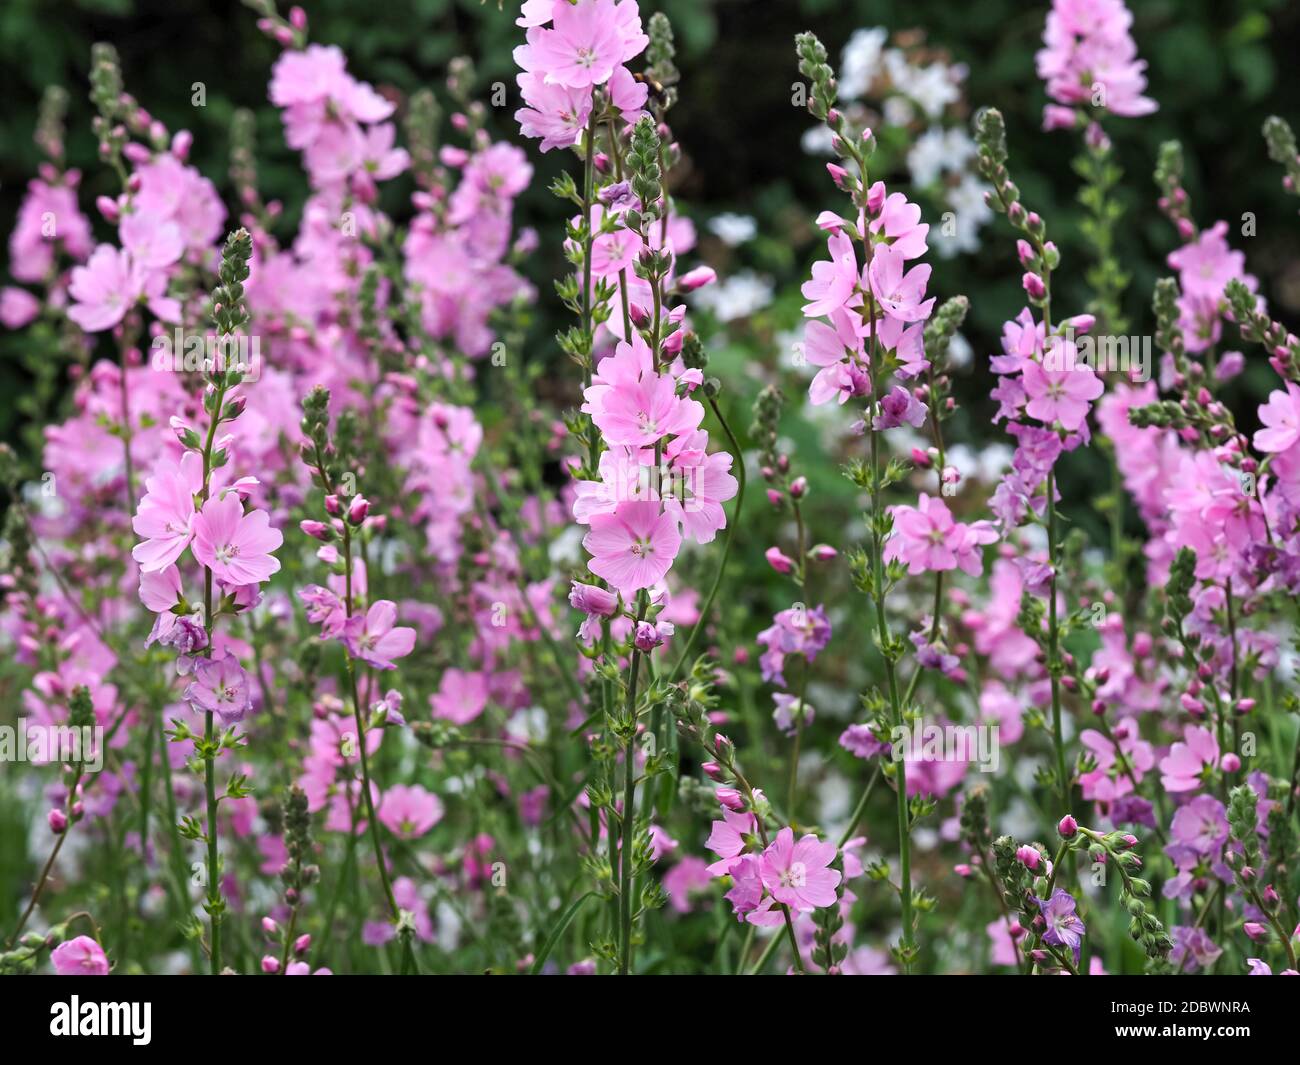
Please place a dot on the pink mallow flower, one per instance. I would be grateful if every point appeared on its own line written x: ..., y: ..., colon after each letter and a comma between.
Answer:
x: 634, y: 546
x: 165, y: 517
x: 1281, y: 420
x: 235, y: 546
x: 1187, y: 764
x: 79, y: 957
x: 927, y: 539
x: 409, y: 812
x: 220, y: 687
x: 1063, y: 396
x: 799, y: 874
x: 376, y: 638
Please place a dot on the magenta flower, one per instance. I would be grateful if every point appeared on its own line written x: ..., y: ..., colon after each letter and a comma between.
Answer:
x: 1063, y: 926
x: 235, y: 546
x: 798, y: 874
x: 374, y: 638
x: 1063, y: 395
x: 633, y: 547
x: 409, y: 812
x: 220, y: 687
x: 165, y: 517
x: 79, y: 957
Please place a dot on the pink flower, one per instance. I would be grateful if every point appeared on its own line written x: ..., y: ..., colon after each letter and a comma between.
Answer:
x: 900, y: 295
x: 633, y: 547
x: 585, y: 43
x: 832, y: 282
x: 235, y: 546
x: 1090, y: 57
x: 79, y: 957
x: 688, y: 877
x: 1063, y: 396
x: 1281, y: 418
x: 461, y: 696
x: 110, y: 284
x: 1187, y: 764
x: 639, y: 415
x: 374, y: 639
x: 17, y: 307
x: 798, y: 874
x: 555, y: 114
x: 728, y: 838
x: 165, y: 516
x: 409, y: 812
x: 220, y: 686
x: 927, y: 539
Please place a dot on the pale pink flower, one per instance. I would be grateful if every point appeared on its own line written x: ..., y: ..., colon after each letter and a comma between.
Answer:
x: 376, y: 638
x: 165, y: 516
x: 633, y: 547
x: 1063, y: 396
x: 797, y: 873
x: 409, y: 812
x: 1186, y: 766
x: 235, y: 546
x: 900, y: 295
x: 1281, y: 419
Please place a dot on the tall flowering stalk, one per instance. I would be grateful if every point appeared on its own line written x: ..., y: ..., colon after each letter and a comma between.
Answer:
x: 648, y: 480
x: 868, y: 325
x: 194, y: 505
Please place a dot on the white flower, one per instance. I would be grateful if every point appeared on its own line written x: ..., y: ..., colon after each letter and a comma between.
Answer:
x: 733, y: 229
x: 861, y: 62
x: 738, y: 296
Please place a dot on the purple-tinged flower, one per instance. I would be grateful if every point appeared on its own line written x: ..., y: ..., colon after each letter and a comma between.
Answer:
x: 220, y: 686
x: 1064, y: 927
x: 79, y: 957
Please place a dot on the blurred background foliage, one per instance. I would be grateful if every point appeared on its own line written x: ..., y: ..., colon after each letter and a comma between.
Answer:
x: 1217, y: 68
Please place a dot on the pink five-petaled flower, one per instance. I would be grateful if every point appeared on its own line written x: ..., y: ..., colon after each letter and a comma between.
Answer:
x: 642, y: 413
x: 79, y: 957
x: 235, y: 546
x: 1185, y: 766
x: 165, y: 517
x: 728, y: 838
x: 633, y: 547
x: 798, y: 874
x: 1063, y: 396
x: 1281, y: 419
x: 409, y: 812
x: 927, y: 539
x: 900, y: 295
x: 220, y: 687
x: 832, y: 282
x: 585, y: 44
x: 374, y: 639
